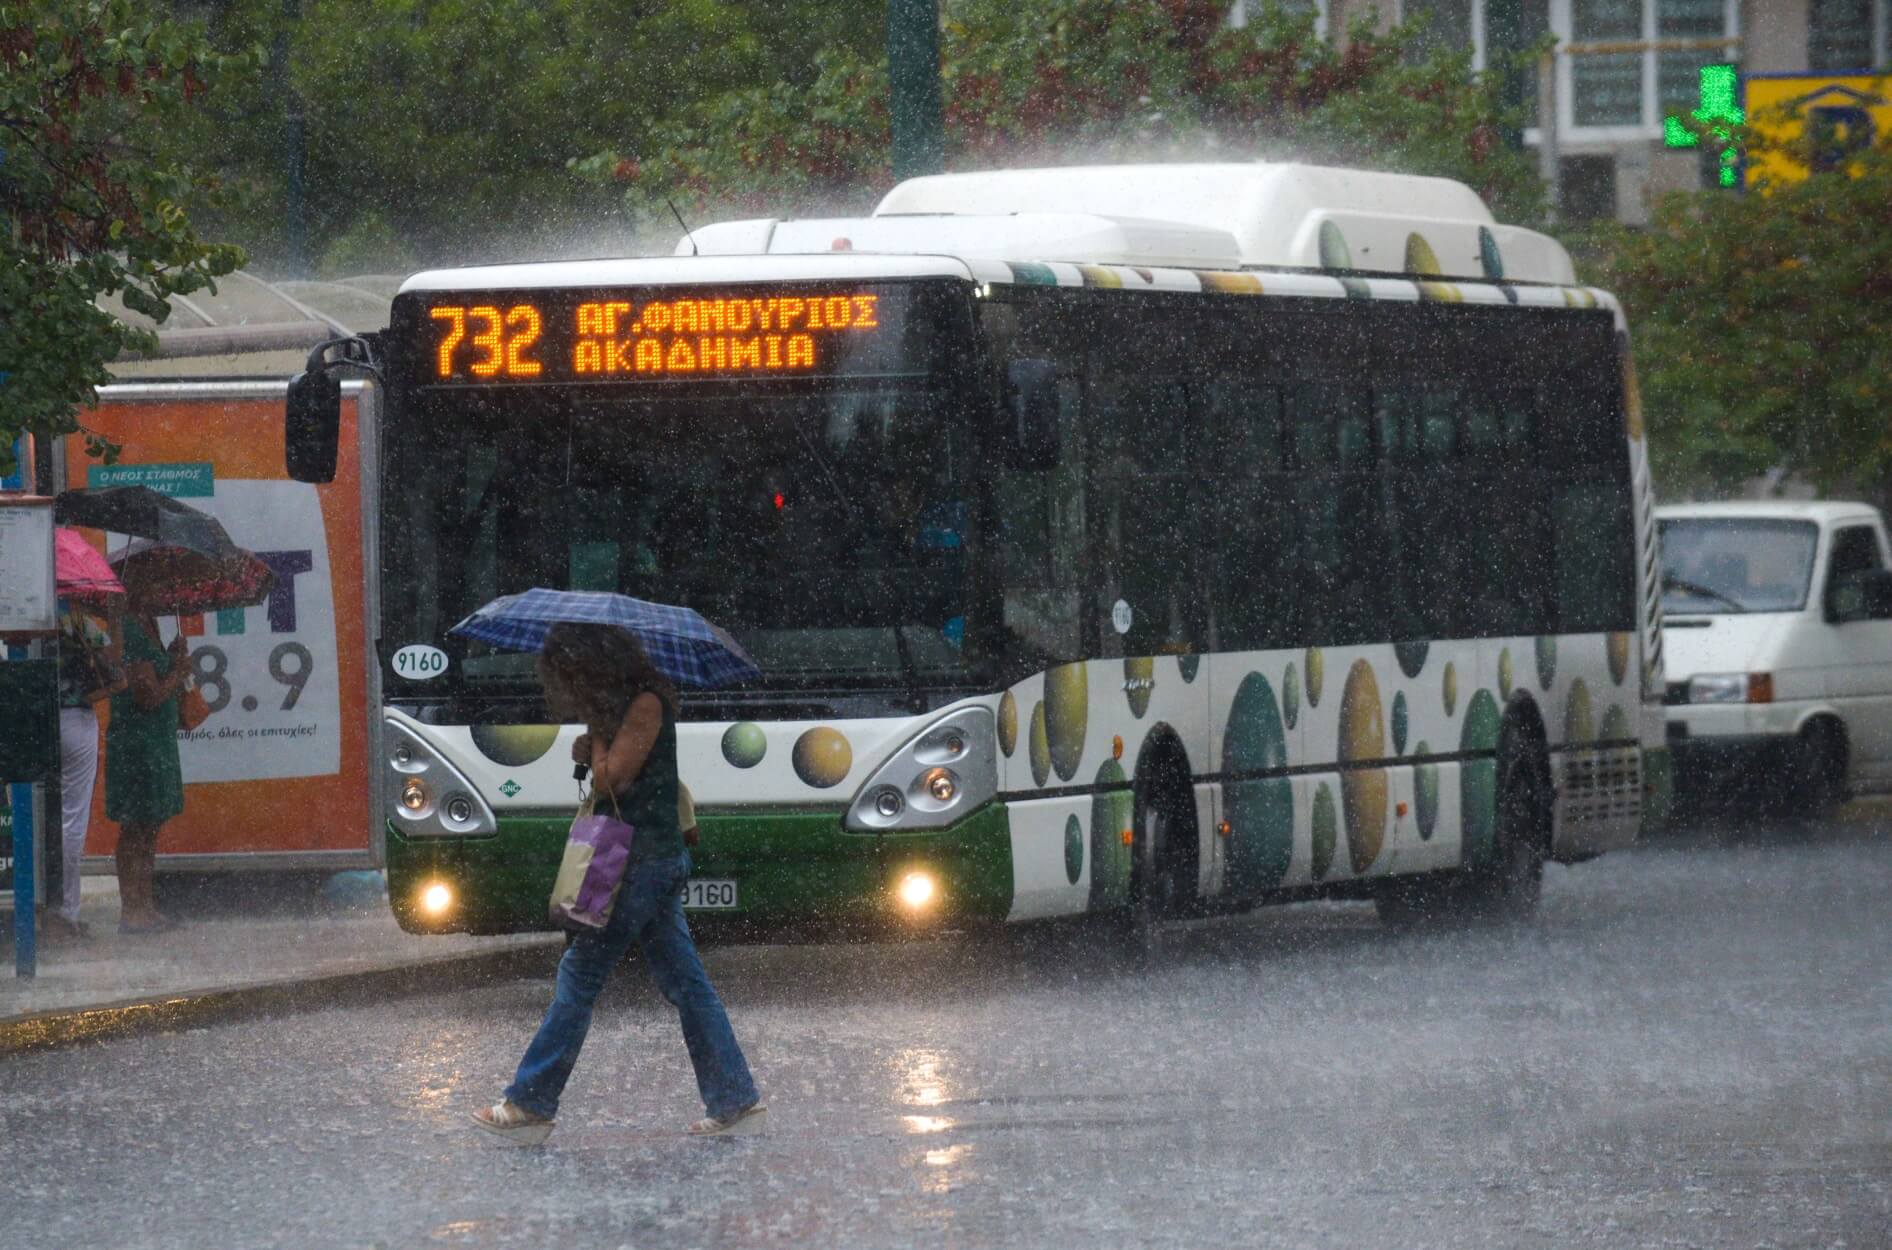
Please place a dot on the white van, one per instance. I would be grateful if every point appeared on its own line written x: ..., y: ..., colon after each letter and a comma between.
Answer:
x: 1777, y: 646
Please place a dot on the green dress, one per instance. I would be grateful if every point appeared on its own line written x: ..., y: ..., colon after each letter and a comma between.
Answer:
x: 144, y: 784
x: 649, y: 803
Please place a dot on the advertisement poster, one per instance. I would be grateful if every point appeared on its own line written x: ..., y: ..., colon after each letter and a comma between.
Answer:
x: 280, y: 765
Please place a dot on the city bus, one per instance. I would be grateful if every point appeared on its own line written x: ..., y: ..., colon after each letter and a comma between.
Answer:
x: 1139, y: 541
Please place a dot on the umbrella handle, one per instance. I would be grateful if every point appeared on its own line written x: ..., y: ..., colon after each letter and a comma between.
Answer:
x: 579, y: 771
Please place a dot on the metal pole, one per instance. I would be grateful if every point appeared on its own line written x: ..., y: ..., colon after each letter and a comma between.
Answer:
x: 919, y: 143
x: 295, y: 207
x: 25, y: 934
x: 1549, y: 159
x: 1504, y: 36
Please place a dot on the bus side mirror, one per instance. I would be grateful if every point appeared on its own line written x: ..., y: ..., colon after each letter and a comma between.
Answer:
x: 1862, y: 596
x: 312, y: 425
x: 1031, y: 411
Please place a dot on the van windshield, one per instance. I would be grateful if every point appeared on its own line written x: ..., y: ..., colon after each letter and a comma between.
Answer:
x: 1719, y: 566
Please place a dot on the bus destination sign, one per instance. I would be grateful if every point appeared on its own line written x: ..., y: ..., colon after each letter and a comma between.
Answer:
x: 625, y: 337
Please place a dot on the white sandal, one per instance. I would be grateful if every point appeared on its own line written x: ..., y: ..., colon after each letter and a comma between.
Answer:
x: 514, y: 1124
x: 747, y: 1120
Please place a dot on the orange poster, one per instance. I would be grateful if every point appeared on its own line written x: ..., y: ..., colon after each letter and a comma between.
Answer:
x: 280, y: 765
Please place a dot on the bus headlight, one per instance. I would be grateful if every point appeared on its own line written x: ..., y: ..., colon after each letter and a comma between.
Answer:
x: 424, y: 794
x: 940, y: 775
x: 435, y: 898
x: 917, y: 890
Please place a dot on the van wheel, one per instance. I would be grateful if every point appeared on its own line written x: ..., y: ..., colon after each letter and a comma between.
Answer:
x: 1818, y: 782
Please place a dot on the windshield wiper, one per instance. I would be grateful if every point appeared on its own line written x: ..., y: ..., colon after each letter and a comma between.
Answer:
x: 1671, y: 582
x: 909, y: 671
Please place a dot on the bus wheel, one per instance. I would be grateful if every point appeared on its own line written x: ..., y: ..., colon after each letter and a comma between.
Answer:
x: 1157, y: 888
x: 1506, y: 886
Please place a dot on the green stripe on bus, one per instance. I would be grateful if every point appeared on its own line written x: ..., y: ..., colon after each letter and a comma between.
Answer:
x: 789, y: 866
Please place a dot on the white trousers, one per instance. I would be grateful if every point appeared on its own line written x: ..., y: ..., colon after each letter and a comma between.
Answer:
x: 78, y: 772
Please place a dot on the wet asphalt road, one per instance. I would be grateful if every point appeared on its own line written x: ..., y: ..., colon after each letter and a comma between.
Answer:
x: 1692, y: 1048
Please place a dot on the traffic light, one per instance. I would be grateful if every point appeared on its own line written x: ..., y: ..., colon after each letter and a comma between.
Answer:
x: 1720, y: 112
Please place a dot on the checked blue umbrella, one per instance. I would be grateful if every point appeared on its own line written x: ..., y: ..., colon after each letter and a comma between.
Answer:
x: 685, y: 648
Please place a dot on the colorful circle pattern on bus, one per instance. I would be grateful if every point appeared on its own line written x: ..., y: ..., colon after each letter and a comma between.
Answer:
x: 1478, y: 778
x: 1188, y: 665
x: 1316, y: 669
x: 515, y: 746
x: 1325, y: 831
x: 744, y: 744
x: 1261, y: 809
x: 1067, y: 713
x: 1579, y: 719
x: 1546, y: 662
x: 1008, y: 724
x: 1139, y: 677
x: 1617, y: 647
x: 1616, y: 724
x: 1038, y: 746
x: 1112, y: 809
x: 1506, y: 674
x: 1448, y: 688
x: 1363, y: 791
x: 1411, y: 656
x: 1400, y: 723
x: 1073, y: 849
x: 822, y: 757
x: 1291, y: 695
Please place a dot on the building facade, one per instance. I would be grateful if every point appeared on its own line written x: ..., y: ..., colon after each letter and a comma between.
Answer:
x: 1610, y: 96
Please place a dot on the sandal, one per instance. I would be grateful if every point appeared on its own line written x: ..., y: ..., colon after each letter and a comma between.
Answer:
x: 747, y: 1120
x: 514, y: 1124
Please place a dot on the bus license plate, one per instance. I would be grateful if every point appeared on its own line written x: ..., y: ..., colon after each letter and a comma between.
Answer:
x: 709, y: 894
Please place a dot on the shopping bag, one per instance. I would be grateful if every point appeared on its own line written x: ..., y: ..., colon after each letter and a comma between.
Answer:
x: 597, y: 853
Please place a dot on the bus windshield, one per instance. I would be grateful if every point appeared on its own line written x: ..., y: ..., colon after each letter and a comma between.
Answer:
x: 826, y: 529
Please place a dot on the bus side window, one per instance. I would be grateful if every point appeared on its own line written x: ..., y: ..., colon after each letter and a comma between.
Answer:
x: 1337, y: 515
x: 1250, y: 521
x: 1426, y: 518
x: 1509, y: 576
x: 1146, y: 495
x: 1040, y: 530
x: 1592, y: 517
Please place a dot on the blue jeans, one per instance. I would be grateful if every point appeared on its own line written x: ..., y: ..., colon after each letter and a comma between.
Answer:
x: 649, y: 912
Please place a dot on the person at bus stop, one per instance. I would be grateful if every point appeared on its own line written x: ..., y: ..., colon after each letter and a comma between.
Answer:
x: 144, y: 780
x: 599, y: 674
x: 89, y: 673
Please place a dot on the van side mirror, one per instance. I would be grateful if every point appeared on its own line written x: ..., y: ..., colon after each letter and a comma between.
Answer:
x: 1031, y: 413
x: 1862, y: 596
x: 312, y: 425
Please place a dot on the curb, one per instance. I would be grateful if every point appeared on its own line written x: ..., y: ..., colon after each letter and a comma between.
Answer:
x: 159, y: 1013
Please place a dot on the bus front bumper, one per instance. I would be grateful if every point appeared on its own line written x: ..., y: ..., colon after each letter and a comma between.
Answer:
x: 792, y: 870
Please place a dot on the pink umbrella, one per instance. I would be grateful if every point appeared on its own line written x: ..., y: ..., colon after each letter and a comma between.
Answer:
x: 81, y: 573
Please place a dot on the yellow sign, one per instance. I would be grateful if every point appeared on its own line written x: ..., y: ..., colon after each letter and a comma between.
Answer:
x: 1845, y: 113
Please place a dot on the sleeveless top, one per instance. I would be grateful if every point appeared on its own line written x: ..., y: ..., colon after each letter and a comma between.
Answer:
x: 649, y: 804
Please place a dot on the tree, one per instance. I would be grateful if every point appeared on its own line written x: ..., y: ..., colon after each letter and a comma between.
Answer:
x: 1762, y: 323
x: 88, y: 210
x: 439, y: 131
x: 1052, y: 81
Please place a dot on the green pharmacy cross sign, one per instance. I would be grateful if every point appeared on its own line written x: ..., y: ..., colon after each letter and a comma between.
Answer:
x: 1719, y: 113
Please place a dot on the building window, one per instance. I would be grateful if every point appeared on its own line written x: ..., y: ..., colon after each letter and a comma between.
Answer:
x: 1240, y: 11
x: 1846, y: 34
x: 1606, y: 87
x: 1440, y: 26
x: 1613, y: 93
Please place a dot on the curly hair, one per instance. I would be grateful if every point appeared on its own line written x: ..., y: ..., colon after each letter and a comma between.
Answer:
x: 593, y: 672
